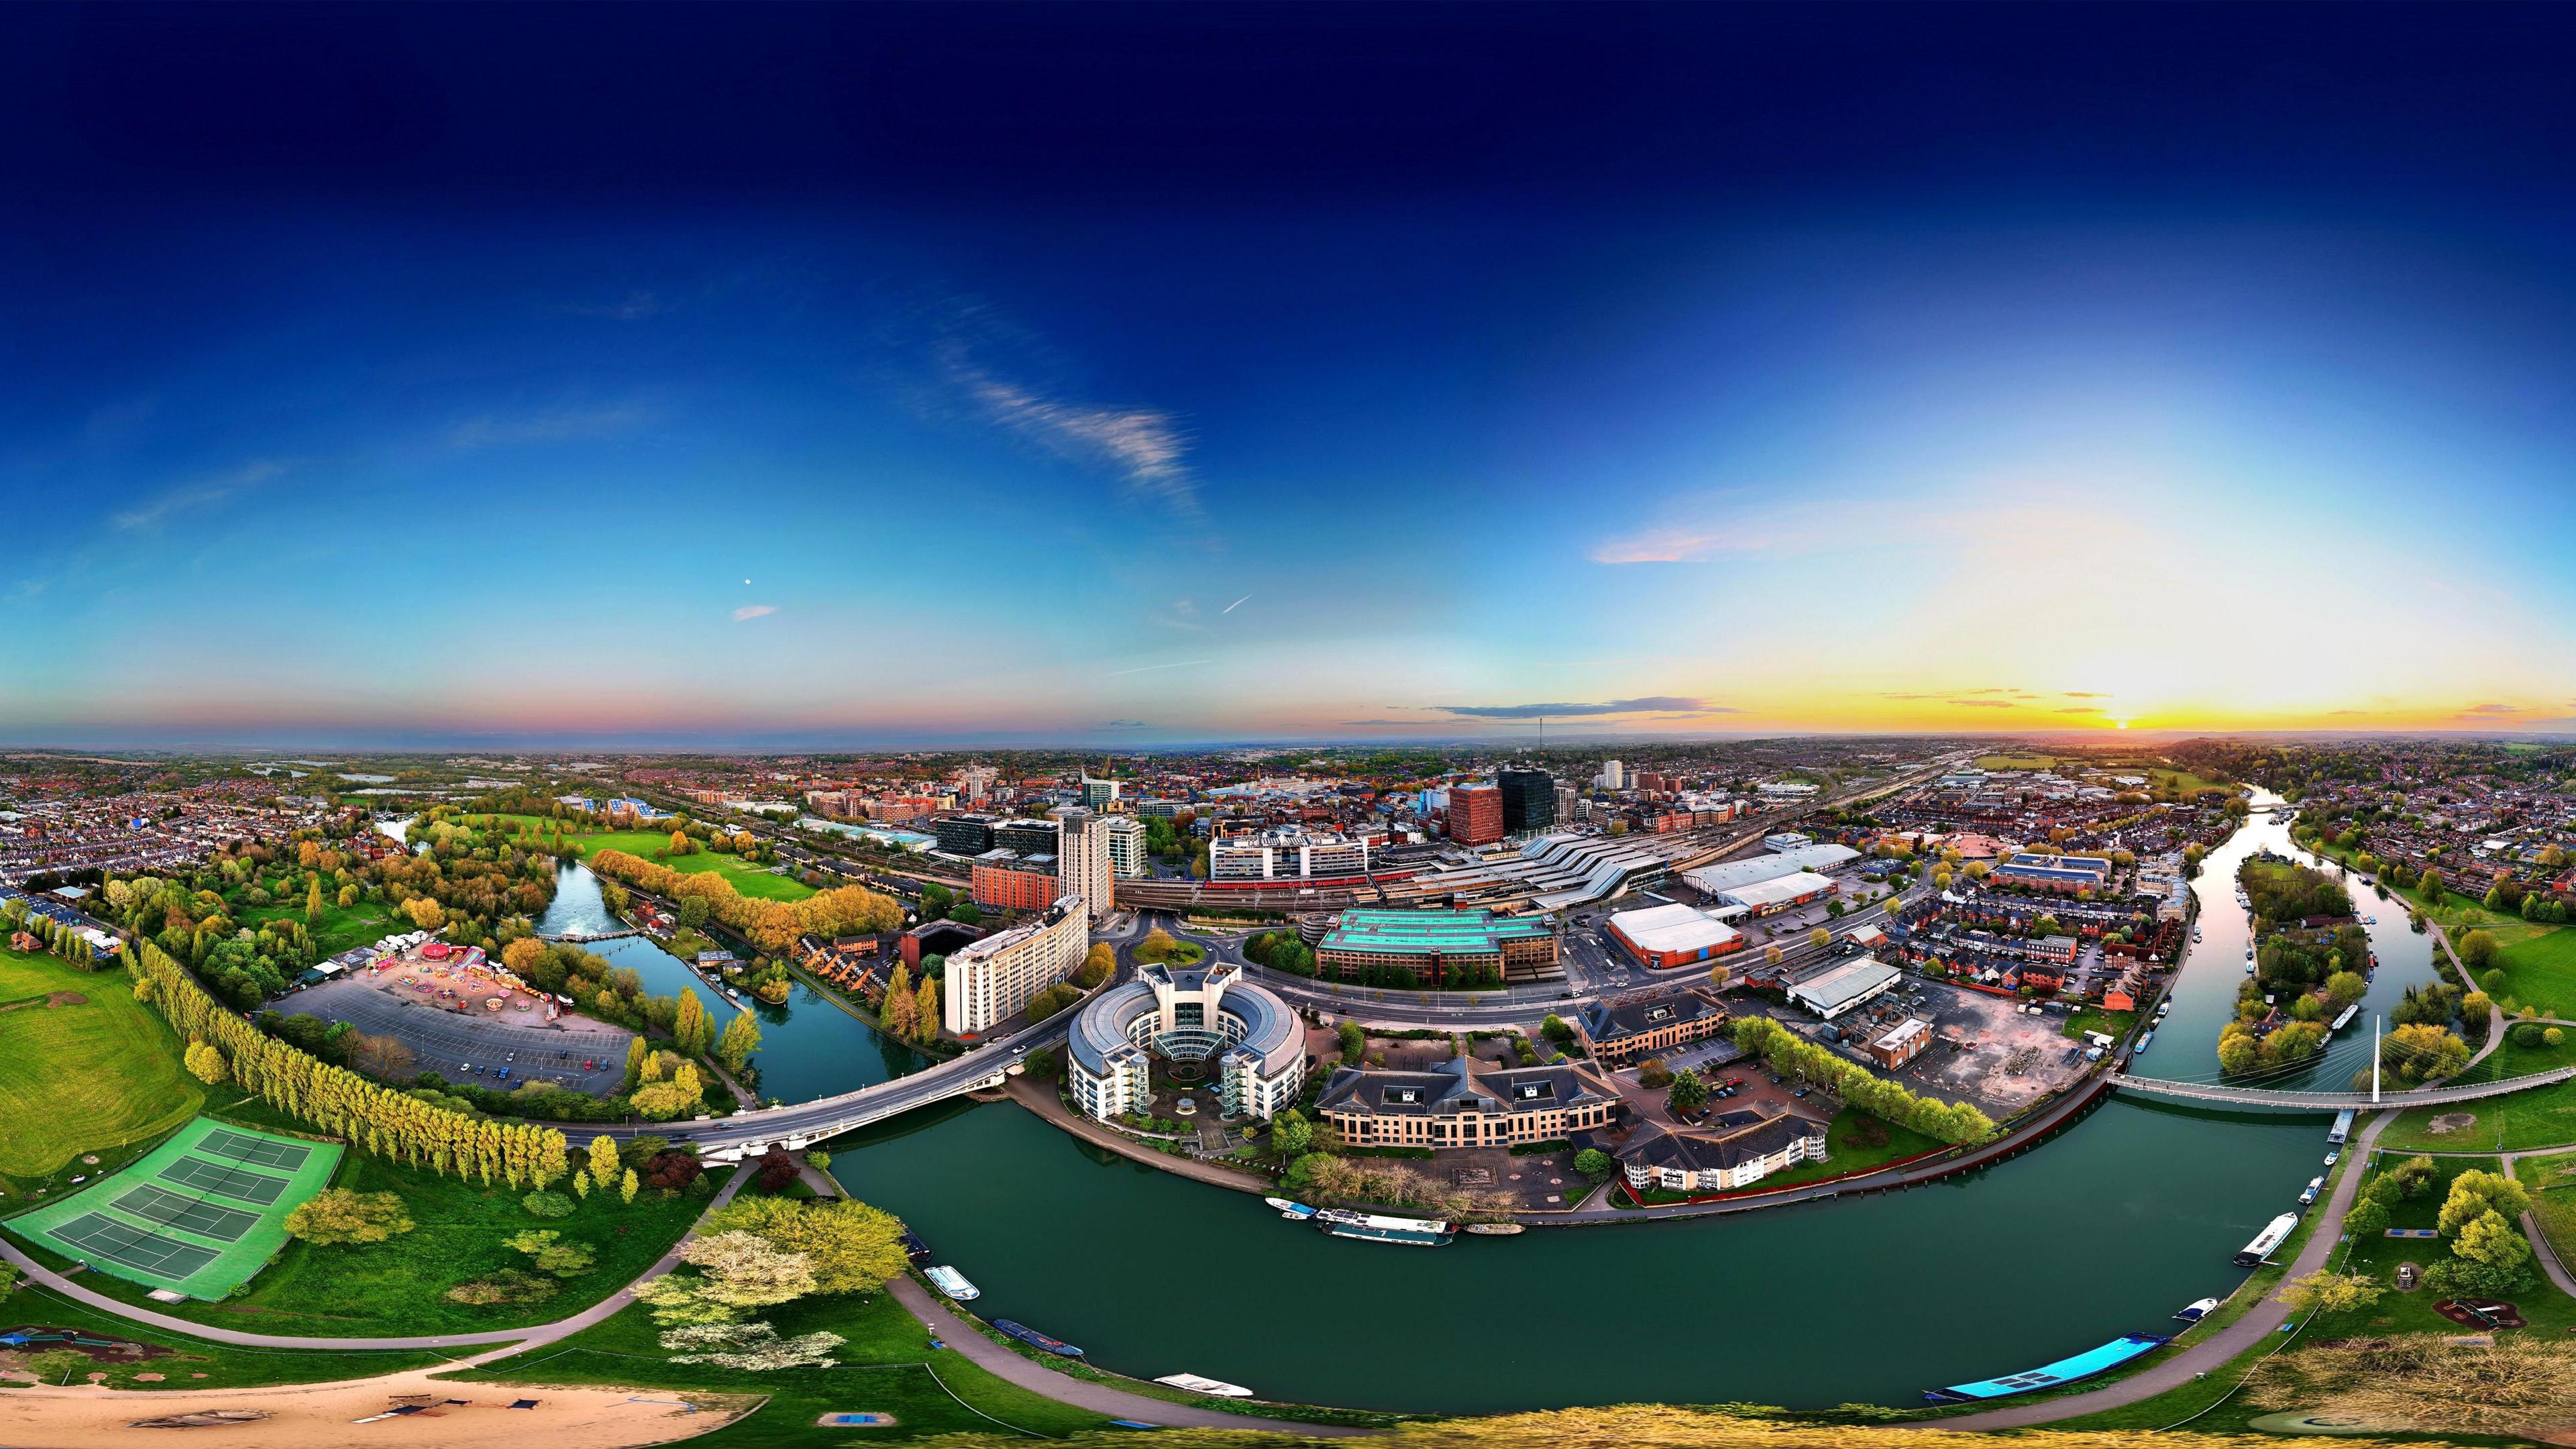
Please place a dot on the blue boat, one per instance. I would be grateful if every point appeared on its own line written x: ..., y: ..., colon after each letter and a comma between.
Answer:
x: 1035, y: 1339
x: 2048, y: 1376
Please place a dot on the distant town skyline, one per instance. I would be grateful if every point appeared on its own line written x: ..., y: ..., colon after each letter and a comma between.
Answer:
x: 1642, y: 388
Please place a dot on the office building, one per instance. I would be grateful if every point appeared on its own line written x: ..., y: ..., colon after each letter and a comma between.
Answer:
x: 1475, y: 814
x: 1127, y: 858
x: 1465, y: 1103
x: 1097, y: 794
x: 1566, y: 803
x: 1184, y: 1014
x: 1437, y: 946
x: 1028, y: 837
x: 991, y: 980
x: 1082, y: 860
x: 1735, y: 1150
x: 1287, y: 852
x: 1621, y: 1032
x: 966, y: 835
x: 1529, y: 800
x: 1005, y: 880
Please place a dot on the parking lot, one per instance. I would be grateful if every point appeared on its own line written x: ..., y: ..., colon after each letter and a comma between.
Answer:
x: 1985, y: 1050
x: 465, y: 1047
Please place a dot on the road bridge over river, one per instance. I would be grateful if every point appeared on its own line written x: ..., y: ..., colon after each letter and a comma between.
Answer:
x: 2337, y: 1101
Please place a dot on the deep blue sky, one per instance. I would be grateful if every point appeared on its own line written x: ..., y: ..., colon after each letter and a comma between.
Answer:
x: 895, y: 374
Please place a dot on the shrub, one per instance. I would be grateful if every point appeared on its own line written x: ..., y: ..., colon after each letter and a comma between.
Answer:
x: 509, y: 1285
x: 547, y: 1205
x: 2527, y: 1034
x: 341, y: 1216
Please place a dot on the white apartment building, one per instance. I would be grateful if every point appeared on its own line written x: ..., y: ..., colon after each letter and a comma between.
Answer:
x: 1287, y: 852
x: 1614, y: 776
x: 1127, y: 859
x: 990, y: 980
x: 1082, y: 866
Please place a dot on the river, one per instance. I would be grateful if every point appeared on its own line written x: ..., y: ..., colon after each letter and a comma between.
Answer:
x: 2105, y: 1230
x: 809, y: 1046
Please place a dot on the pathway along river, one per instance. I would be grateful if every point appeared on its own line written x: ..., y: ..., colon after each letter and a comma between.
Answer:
x: 2105, y: 1230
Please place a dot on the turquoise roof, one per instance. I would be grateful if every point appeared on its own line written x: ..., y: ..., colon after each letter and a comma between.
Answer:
x: 1415, y: 932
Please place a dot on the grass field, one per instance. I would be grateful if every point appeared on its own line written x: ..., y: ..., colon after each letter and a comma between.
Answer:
x: 2541, y: 1117
x: 2509, y: 1060
x: 2549, y: 1312
x: 342, y: 929
x: 201, y: 1213
x: 1845, y: 1154
x: 887, y: 1365
x: 2113, y: 1024
x: 2539, y: 967
x: 79, y: 1079
x: 221, y: 1365
x: 399, y: 1287
x: 2552, y: 1181
x: 750, y: 880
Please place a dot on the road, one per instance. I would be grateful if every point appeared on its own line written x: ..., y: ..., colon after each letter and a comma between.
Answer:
x: 2259, y: 1325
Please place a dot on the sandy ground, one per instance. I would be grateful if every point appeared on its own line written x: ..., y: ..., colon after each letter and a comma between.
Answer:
x: 318, y: 1416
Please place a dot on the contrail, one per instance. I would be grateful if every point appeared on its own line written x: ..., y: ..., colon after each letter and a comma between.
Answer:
x: 1230, y: 608
x: 1148, y: 668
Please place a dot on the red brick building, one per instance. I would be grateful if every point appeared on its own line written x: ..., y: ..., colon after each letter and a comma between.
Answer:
x: 1475, y: 814
x: 1028, y: 884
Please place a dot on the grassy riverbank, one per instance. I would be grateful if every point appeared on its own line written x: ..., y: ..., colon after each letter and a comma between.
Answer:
x: 85, y: 1069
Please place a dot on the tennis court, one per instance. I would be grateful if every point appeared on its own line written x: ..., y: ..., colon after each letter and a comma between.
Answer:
x: 189, y: 1214
x: 169, y: 1259
x: 257, y: 1151
x: 200, y: 1214
x: 231, y: 1182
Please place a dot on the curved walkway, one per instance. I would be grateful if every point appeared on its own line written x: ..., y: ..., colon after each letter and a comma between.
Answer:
x: 518, y: 1338
x: 1000, y: 1362
x: 2260, y: 1322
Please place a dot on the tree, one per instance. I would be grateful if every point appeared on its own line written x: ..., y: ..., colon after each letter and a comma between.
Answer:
x: 926, y: 1011
x: 854, y: 1248
x: 900, y: 1014
x: 338, y: 1215
x: 626, y: 1186
x: 2478, y: 950
x: 2478, y: 1191
x: 637, y: 1053
x: 1594, y: 1163
x: 1042, y: 1064
x: 1291, y: 1134
x: 2343, y: 988
x: 2368, y: 1218
x: 2420, y: 1050
x: 426, y: 913
x: 2326, y: 1291
x: 205, y: 1063
x: 1820, y: 938
x: 1689, y: 1093
x: 741, y: 1038
x: 1098, y: 964
x: 313, y: 903
x: 691, y: 1027
x: 2489, y: 1239
x: 661, y: 1099
x: 1554, y: 1028
x: 1353, y: 1041
x: 1771, y: 955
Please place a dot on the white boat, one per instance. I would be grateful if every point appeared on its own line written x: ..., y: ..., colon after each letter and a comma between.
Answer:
x: 1345, y: 1217
x: 1496, y: 1230
x: 1197, y: 1385
x: 953, y: 1283
x: 2315, y: 1185
x: 1297, y: 1211
x: 2191, y: 1313
x: 2344, y: 1019
x: 2273, y: 1235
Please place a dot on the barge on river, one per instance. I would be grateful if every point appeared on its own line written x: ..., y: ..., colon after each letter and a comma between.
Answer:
x: 2048, y: 1376
x: 2274, y: 1233
x: 1380, y: 1228
x: 1035, y: 1339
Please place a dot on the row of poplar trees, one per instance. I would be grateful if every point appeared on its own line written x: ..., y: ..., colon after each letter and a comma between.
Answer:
x: 383, y: 1121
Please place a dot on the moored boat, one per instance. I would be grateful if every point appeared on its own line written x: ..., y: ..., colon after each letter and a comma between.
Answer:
x: 1035, y: 1339
x: 1198, y: 1385
x: 1349, y: 1218
x: 1295, y: 1211
x: 2192, y: 1312
x: 913, y: 1247
x: 953, y: 1283
x: 1496, y: 1230
x: 1403, y: 1237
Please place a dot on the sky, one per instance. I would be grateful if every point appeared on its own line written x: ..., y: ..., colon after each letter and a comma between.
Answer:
x: 1143, y: 375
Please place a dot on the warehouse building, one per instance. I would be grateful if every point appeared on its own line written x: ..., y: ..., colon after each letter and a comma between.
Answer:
x: 1727, y: 875
x: 1842, y: 985
x: 1768, y: 897
x: 1663, y: 937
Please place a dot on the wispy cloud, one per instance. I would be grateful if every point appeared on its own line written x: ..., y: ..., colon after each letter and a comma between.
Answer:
x: 1665, y: 545
x: 2080, y: 709
x: 152, y: 513
x: 1150, y: 668
x: 1986, y: 703
x: 1647, y: 704
x: 754, y: 611
x: 2492, y: 709
x: 1237, y: 604
x: 2084, y: 694
x: 1180, y: 614
x: 1146, y: 447
x: 559, y: 425
x: 633, y: 307
x: 1123, y: 724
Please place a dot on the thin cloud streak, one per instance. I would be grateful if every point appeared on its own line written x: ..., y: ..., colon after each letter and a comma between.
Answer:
x: 754, y: 611
x: 1150, y: 668
x: 1649, y: 704
x: 188, y: 498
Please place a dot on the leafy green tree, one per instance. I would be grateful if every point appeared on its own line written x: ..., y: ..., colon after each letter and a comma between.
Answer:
x: 2326, y: 1291
x: 1594, y: 1163
x: 338, y: 1215
x: 2478, y: 950
x: 1689, y: 1093
x: 2478, y: 1191
x: 854, y: 1248
x: 741, y: 1038
x: 1291, y: 1134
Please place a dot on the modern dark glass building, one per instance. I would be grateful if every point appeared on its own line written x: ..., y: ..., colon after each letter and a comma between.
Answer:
x: 1529, y: 800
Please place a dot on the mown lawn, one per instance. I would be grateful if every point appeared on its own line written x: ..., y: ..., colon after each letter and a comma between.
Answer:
x: 2552, y: 1181
x: 2540, y: 1117
x: 2539, y: 968
x: 886, y: 1365
x: 399, y: 1287
x: 222, y: 1365
x: 2549, y: 1312
x: 2513, y: 1060
x: 750, y: 880
x: 342, y: 928
x: 2113, y: 1024
x: 99, y: 1077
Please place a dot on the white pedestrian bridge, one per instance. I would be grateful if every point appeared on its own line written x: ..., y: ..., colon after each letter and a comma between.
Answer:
x: 2337, y: 1101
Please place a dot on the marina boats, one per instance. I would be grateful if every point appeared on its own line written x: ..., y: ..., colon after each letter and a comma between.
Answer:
x: 2344, y: 1018
x: 953, y: 1283
x: 1382, y: 1228
x: 2274, y: 1233
x: 1035, y: 1339
x: 913, y: 1247
x: 2342, y: 1128
x: 1295, y: 1212
x: 1197, y: 1385
x: 2309, y: 1196
x: 2192, y: 1312
x: 2144, y: 1042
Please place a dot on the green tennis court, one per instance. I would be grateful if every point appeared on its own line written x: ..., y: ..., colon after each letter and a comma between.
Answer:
x: 257, y: 1151
x: 200, y: 1214
x: 231, y: 1182
x: 194, y: 1215
x: 169, y: 1259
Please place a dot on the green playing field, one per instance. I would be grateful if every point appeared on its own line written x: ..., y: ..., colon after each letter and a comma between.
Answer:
x: 203, y: 1212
